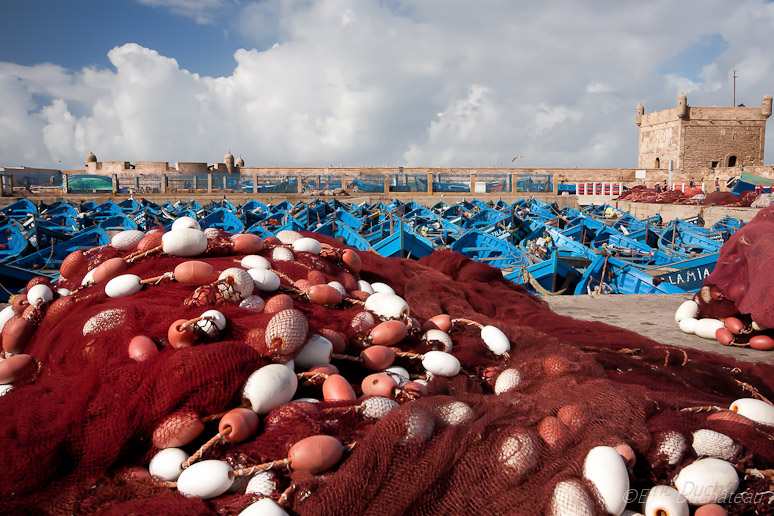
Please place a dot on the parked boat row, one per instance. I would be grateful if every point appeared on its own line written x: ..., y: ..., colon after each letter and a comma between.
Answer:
x: 550, y: 250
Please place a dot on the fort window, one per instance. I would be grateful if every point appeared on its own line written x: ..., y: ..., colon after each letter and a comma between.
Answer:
x: 658, y: 163
x: 715, y: 164
x: 732, y: 161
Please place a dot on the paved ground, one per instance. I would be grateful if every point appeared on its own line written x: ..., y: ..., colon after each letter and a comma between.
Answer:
x: 651, y: 315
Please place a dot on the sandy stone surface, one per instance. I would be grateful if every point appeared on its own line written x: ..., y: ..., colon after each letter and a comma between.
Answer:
x: 651, y: 315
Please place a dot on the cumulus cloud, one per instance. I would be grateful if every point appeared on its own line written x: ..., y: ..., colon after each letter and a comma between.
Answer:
x: 405, y: 82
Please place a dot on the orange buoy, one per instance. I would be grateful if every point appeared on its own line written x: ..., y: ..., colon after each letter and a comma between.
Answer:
x: 108, y: 269
x: 551, y: 430
x: 15, y: 367
x: 181, y: 338
x: 724, y: 336
x: 177, y: 429
x: 247, y: 243
x: 377, y: 358
x: 72, y: 263
x: 388, y: 333
x: 324, y: 295
x: 762, y: 343
x: 242, y: 422
x: 337, y: 388
x: 378, y: 384
x: 16, y: 334
x: 142, y: 348
x: 315, y: 454
x: 734, y: 325
x: 352, y: 261
x: 441, y: 322
x: 193, y: 272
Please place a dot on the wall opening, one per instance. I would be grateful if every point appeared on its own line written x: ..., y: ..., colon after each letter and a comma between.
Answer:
x: 732, y: 161
x: 715, y: 164
x: 658, y: 163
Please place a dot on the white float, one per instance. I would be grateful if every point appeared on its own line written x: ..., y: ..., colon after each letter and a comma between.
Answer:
x: 307, y: 245
x: 253, y: 261
x: 706, y: 328
x: 123, y: 285
x: 265, y: 280
x: 707, y: 481
x: 605, y: 468
x: 441, y: 363
x: 495, y: 340
x: 689, y: 309
x: 665, y: 501
x: 269, y: 387
x: 184, y: 242
x: 206, y: 479
x: 756, y: 410
x: 316, y: 351
x: 386, y: 305
x: 168, y: 464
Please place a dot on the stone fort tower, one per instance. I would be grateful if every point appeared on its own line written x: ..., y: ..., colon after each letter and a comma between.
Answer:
x: 699, y: 138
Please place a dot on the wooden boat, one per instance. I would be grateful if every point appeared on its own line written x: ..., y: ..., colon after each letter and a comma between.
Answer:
x: 118, y: 222
x: 553, y: 276
x: 223, y: 220
x: 483, y: 247
x: 20, y: 210
x: 13, y: 242
x: 681, y: 241
x: 608, y: 275
x: 51, y: 257
x: 608, y: 240
x: 687, y: 275
x: 404, y: 243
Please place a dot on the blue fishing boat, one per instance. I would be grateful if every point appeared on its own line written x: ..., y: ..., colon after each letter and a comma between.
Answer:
x: 608, y: 275
x: 687, y: 275
x: 350, y: 237
x: 51, y: 258
x: 20, y: 210
x: 118, y: 222
x: 223, y: 220
x: 483, y: 247
x: 14, y: 279
x: 680, y: 241
x: 13, y: 242
x: 553, y: 276
x: 624, y: 248
x: 404, y: 243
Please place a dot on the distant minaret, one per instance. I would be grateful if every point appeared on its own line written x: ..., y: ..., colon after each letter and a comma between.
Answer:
x: 766, y: 105
x: 638, y: 115
x: 240, y: 162
x: 228, y: 159
x: 91, y: 158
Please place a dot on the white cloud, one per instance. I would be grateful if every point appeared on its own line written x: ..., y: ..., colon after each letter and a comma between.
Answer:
x: 405, y: 82
x: 200, y: 11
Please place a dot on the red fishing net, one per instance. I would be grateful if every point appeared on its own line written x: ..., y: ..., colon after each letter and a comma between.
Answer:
x: 641, y: 193
x: 741, y: 281
x: 78, y: 432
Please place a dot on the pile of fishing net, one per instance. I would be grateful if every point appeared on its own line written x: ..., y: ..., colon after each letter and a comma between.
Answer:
x: 188, y: 373
x: 696, y: 197
x: 734, y: 304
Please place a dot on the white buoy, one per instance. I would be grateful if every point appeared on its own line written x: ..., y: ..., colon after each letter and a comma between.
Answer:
x: 665, y: 501
x: 124, y: 285
x: 706, y: 328
x: 689, y: 309
x: 316, y: 351
x: 264, y: 507
x: 39, y: 294
x: 269, y: 387
x: 206, y: 479
x: 441, y: 363
x: 756, y: 410
x: 253, y: 261
x: 184, y: 242
x: 707, y: 481
x: 307, y: 245
x: 265, y: 280
x: 605, y: 468
x: 185, y: 222
x: 386, y: 305
x: 495, y: 340
x: 688, y: 325
x: 168, y: 464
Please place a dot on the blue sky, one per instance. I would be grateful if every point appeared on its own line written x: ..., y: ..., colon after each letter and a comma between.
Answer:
x: 365, y: 82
